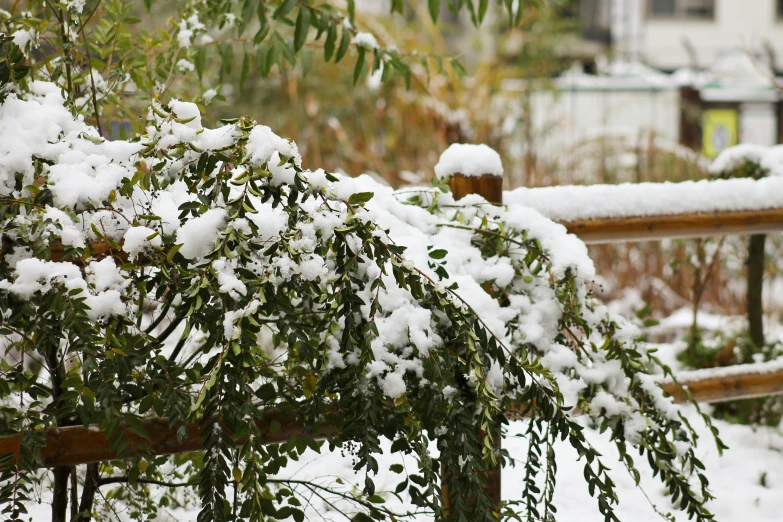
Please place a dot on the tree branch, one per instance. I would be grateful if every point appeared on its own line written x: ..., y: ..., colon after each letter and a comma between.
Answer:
x: 124, y: 480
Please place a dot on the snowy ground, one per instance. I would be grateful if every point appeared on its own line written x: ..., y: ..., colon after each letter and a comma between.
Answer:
x: 747, y: 480
x: 754, y: 457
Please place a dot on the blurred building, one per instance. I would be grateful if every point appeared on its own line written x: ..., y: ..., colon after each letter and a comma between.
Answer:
x: 671, y: 34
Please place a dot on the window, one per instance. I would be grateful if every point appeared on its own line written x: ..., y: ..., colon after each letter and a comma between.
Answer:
x: 662, y: 8
x: 594, y: 19
x: 685, y: 9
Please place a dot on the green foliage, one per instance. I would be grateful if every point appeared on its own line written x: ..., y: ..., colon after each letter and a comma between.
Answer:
x: 109, y: 57
x: 12, y: 65
x: 496, y: 238
x: 188, y: 350
x: 745, y: 169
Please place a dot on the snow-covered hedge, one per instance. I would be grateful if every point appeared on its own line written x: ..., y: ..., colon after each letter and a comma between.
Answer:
x: 239, y: 282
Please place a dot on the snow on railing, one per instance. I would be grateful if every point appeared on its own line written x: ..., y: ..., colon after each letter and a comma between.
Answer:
x: 690, y: 225
x: 649, y: 211
x: 626, y: 200
x: 728, y: 383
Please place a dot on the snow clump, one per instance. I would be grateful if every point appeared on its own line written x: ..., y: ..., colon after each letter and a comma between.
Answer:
x: 469, y: 160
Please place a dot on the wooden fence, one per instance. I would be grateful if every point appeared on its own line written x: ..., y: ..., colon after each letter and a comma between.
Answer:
x: 74, y: 445
x: 702, y: 224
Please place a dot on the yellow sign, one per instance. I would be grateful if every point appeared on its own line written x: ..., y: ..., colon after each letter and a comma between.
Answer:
x: 719, y: 130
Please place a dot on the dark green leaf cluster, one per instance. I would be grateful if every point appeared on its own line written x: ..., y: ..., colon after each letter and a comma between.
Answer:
x: 188, y: 351
x: 12, y: 65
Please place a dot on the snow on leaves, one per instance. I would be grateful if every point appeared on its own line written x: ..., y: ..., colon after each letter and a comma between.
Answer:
x: 251, y: 283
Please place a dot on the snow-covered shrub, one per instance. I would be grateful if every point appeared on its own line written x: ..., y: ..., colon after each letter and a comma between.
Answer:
x: 202, y: 275
x: 240, y: 283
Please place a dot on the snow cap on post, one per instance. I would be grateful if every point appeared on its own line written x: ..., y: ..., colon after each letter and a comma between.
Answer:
x: 469, y: 160
x: 472, y: 169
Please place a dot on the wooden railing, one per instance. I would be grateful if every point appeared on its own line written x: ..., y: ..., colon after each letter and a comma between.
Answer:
x: 701, y: 224
x: 74, y: 445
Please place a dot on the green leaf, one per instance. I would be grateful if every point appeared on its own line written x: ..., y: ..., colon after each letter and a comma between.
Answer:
x: 396, y: 468
x: 399, y: 445
x: 331, y: 38
x: 386, y: 73
x: 91, y: 138
x: 438, y: 254
x: 247, y: 16
x: 271, y: 58
x: 357, y: 70
x: 457, y: 67
x: 352, y: 11
x: 345, y: 41
x: 261, y: 35
x: 266, y: 392
x: 302, y: 27
x: 284, y: 9
x: 360, y: 198
x: 184, y: 120
x: 261, y: 55
x: 245, y: 72
x: 226, y: 51
x: 288, y: 51
x: 307, y: 61
x: 261, y: 14
x: 482, y: 10
x: 200, y: 61
x: 518, y: 17
x: 397, y: 6
x: 434, y: 8
x: 323, y: 23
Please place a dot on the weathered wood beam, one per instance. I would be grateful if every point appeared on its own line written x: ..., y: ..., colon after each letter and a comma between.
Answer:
x: 75, y: 445
x: 743, y: 381
x: 652, y: 228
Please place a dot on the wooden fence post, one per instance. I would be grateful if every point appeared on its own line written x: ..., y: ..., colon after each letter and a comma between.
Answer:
x: 755, y: 283
x: 490, y: 187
